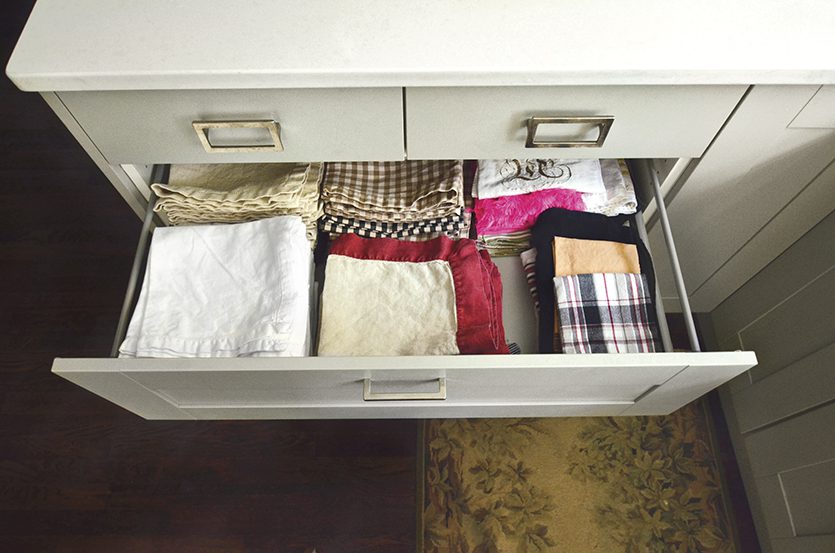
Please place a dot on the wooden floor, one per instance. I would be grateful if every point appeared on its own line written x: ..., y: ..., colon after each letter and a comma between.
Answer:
x: 78, y: 474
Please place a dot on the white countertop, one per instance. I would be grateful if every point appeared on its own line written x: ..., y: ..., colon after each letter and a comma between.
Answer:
x: 205, y: 44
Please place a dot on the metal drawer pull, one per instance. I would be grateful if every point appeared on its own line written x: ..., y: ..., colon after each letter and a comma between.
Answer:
x: 368, y: 395
x: 202, y: 129
x: 603, y: 123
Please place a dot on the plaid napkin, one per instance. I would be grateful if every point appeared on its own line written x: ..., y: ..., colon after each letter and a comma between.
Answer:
x: 398, y: 191
x: 605, y: 313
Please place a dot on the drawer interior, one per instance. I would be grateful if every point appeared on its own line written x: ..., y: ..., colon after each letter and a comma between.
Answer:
x: 527, y: 384
x: 519, y: 316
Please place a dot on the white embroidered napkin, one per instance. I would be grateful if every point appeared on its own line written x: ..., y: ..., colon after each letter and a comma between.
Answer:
x: 511, y: 177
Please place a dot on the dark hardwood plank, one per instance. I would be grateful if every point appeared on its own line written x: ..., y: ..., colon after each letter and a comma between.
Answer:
x: 78, y: 474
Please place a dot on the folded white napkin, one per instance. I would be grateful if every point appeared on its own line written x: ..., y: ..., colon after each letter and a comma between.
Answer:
x: 619, y: 197
x: 224, y: 291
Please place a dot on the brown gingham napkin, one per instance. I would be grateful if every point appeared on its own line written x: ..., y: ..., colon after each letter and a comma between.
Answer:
x: 397, y: 191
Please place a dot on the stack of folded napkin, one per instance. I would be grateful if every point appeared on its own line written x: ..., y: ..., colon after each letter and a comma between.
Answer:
x: 593, y: 285
x: 238, y: 290
x: 406, y: 200
x: 392, y: 297
x: 224, y: 193
x: 512, y: 193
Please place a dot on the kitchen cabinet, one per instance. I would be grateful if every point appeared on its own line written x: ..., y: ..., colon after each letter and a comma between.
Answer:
x: 310, y: 82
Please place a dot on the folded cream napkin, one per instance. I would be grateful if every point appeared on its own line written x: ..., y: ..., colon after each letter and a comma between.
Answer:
x: 409, y: 311
x: 224, y: 291
x: 604, y: 313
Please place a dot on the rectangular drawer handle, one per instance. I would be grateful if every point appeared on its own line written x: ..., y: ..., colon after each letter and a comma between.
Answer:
x: 603, y: 123
x: 202, y: 129
x: 368, y: 395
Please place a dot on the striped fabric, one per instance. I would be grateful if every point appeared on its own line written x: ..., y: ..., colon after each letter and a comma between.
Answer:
x: 529, y: 266
x: 512, y: 243
x: 605, y: 313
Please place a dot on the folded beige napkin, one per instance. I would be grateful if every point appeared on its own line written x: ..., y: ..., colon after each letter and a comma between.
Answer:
x: 241, y: 192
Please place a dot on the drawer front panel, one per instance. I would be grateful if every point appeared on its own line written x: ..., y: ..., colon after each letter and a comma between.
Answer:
x: 475, y: 386
x: 599, y: 385
x: 144, y: 127
x: 590, y: 122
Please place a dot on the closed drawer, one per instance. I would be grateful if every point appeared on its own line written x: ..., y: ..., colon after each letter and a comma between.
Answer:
x: 145, y: 127
x: 636, y: 121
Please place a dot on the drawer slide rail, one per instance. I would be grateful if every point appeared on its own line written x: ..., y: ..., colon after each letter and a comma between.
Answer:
x: 674, y: 262
x: 160, y: 175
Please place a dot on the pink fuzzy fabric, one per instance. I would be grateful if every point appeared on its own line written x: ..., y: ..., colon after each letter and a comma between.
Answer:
x: 514, y: 213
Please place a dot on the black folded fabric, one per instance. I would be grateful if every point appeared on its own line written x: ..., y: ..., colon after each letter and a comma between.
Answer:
x: 588, y: 226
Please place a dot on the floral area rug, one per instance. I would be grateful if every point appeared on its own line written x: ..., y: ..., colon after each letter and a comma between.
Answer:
x: 616, y: 484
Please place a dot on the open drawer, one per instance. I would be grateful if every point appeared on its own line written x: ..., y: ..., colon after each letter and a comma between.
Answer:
x: 544, y: 385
